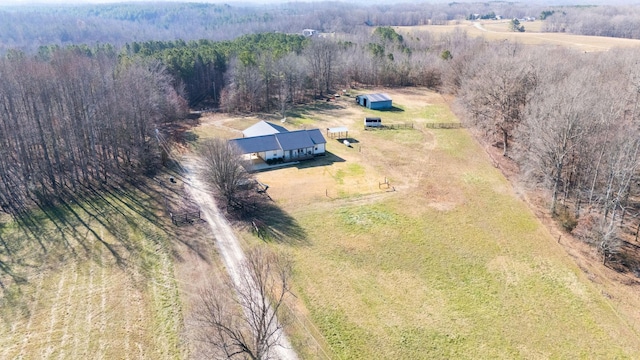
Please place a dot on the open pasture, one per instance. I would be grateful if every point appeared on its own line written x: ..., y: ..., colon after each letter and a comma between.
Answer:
x: 497, y: 30
x: 444, y: 262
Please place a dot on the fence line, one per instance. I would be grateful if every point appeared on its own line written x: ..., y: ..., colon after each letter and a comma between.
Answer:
x: 444, y: 125
x: 390, y: 126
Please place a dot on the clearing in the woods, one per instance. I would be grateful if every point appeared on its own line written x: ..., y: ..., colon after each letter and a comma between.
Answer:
x: 416, y: 246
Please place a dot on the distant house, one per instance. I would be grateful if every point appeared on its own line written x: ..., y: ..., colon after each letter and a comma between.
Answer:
x: 375, y: 101
x: 285, y: 145
x: 309, y: 32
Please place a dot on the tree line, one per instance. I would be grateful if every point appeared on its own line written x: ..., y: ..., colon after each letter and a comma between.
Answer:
x: 26, y: 27
x: 75, y: 121
x: 200, y: 67
x: 572, y: 125
x: 272, y: 71
x: 612, y: 21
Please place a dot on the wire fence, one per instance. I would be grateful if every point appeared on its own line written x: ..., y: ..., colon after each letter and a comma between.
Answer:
x: 451, y: 125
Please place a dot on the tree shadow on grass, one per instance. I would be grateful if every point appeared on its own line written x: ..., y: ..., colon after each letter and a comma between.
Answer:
x: 69, y: 224
x: 274, y: 224
x: 317, y: 107
x: 267, y: 220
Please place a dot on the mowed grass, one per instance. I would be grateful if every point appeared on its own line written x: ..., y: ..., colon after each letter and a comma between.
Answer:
x: 94, y: 280
x: 449, y: 265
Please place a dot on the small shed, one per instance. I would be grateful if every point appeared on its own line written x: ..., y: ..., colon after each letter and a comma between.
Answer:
x: 375, y: 101
x: 338, y: 132
x: 372, y: 122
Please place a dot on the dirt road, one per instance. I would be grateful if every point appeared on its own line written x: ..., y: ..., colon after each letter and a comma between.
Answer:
x: 226, y: 241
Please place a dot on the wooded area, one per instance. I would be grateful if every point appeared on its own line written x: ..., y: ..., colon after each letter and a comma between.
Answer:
x: 75, y: 116
x: 119, y: 24
x: 611, y: 21
x: 76, y: 121
x: 571, y: 125
x: 87, y: 92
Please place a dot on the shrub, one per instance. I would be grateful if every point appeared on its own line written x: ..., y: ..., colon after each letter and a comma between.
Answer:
x: 566, y: 219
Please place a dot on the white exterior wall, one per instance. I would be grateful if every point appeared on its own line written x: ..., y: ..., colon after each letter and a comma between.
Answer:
x: 271, y: 154
x: 372, y: 124
x: 319, y: 149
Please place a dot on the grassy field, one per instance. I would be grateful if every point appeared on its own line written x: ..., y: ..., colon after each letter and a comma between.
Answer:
x: 445, y: 262
x: 498, y: 30
x: 91, y: 280
x: 410, y: 245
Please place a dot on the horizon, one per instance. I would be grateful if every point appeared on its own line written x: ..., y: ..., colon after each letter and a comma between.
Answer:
x: 261, y: 2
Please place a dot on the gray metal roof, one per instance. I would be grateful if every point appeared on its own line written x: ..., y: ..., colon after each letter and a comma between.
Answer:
x: 378, y: 97
x: 263, y: 128
x: 316, y: 136
x: 289, y: 140
x: 294, y: 140
x: 256, y: 144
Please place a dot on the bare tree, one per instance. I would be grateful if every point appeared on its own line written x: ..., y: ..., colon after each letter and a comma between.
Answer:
x: 240, y: 320
x: 73, y: 120
x: 559, y: 120
x: 225, y: 169
x: 497, y: 96
x: 289, y: 77
x: 321, y: 55
x: 607, y: 240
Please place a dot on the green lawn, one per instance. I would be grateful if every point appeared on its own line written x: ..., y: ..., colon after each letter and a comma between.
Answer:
x: 452, y: 265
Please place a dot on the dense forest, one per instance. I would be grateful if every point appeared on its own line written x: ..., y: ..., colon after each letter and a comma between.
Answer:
x: 76, y: 120
x: 77, y: 111
x: 27, y: 27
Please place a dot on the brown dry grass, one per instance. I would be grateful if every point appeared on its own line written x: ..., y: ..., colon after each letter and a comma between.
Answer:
x: 379, y: 264
x: 498, y: 30
x: 104, y: 288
